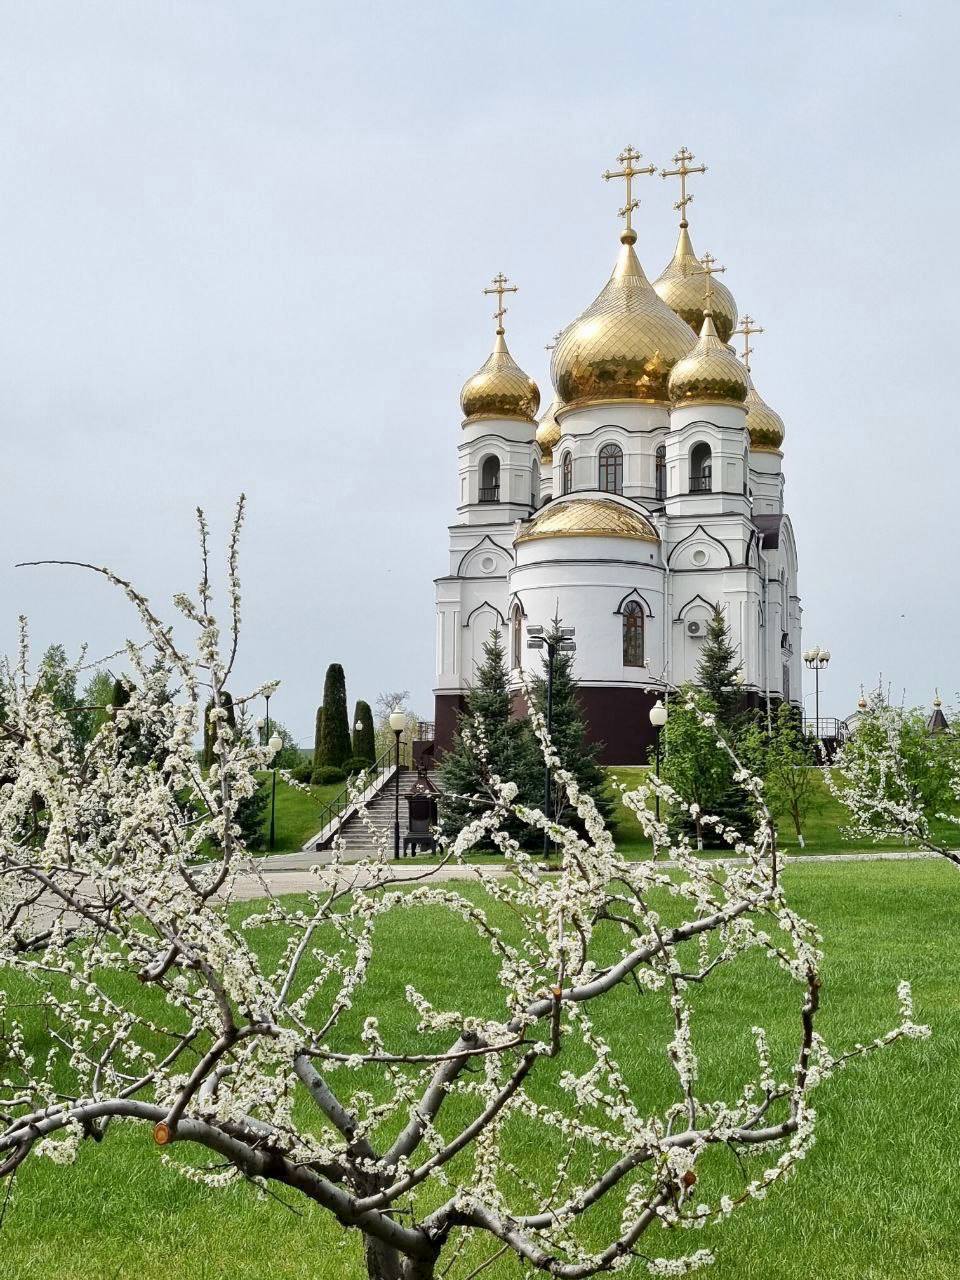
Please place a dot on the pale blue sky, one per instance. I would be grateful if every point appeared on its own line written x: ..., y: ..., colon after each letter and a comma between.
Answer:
x: 242, y: 247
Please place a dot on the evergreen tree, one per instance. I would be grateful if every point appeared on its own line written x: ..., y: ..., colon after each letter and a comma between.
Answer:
x: 568, y: 732
x: 363, y: 738
x: 462, y: 771
x: 335, y: 732
x: 317, y: 739
x: 717, y: 669
x: 97, y: 701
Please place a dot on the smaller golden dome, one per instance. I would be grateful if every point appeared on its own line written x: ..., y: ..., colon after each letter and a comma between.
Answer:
x: 710, y: 374
x: 764, y: 425
x: 549, y: 431
x: 680, y: 286
x: 500, y: 389
x: 587, y: 518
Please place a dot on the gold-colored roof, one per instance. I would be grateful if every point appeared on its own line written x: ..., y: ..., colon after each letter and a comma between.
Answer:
x: 624, y: 345
x: 710, y: 374
x: 680, y: 286
x: 500, y: 389
x: 587, y: 518
x: 548, y: 431
x: 763, y: 423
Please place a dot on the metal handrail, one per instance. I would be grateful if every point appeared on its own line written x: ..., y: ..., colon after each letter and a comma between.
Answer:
x: 490, y: 494
x: 701, y: 484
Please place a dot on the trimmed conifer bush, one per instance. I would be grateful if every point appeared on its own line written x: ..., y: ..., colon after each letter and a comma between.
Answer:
x: 317, y: 740
x: 335, y: 746
x: 364, y: 747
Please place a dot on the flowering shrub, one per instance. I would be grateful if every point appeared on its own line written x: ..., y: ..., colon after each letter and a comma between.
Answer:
x: 160, y: 1009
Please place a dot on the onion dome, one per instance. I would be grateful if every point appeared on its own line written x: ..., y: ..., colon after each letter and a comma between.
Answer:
x: 710, y: 374
x: 680, y: 286
x: 500, y: 389
x: 587, y: 518
x: 548, y: 431
x: 624, y: 345
x: 763, y: 423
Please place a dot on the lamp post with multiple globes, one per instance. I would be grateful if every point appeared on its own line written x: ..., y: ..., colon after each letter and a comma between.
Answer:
x: 816, y: 659
x: 398, y: 721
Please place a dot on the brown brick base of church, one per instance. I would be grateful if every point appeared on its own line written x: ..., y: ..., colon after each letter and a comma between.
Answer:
x: 617, y: 719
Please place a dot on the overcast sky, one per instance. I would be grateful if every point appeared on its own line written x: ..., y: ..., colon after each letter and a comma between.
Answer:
x: 242, y: 247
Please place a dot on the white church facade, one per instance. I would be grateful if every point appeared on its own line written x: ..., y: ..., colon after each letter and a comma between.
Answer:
x: 650, y: 492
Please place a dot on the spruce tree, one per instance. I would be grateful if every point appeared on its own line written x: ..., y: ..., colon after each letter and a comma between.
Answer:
x: 568, y: 732
x: 463, y: 773
x: 717, y: 669
x: 363, y: 738
x: 335, y: 732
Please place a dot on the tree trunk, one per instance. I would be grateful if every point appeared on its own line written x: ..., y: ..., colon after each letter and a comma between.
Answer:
x: 385, y: 1263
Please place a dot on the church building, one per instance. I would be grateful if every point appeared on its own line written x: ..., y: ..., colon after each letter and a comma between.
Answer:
x: 649, y: 493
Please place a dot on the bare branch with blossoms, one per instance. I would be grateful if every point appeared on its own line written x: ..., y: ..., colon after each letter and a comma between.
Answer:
x: 162, y: 1005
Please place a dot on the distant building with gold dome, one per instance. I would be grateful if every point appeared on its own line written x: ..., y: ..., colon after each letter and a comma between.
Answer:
x: 649, y: 492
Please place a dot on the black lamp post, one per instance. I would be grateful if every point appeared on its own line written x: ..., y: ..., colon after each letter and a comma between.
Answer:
x: 398, y: 722
x: 274, y: 742
x: 559, y: 641
x: 658, y: 718
x: 816, y: 659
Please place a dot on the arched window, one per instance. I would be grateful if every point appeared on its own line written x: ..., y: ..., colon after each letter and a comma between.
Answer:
x: 566, y: 472
x: 611, y: 469
x: 701, y: 468
x: 516, y: 638
x: 661, y: 470
x: 535, y: 484
x: 633, y: 634
x: 490, y: 480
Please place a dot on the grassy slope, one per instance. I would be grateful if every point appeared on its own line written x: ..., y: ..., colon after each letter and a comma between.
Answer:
x: 821, y: 832
x: 875, y: 1200
x: 298, y: 814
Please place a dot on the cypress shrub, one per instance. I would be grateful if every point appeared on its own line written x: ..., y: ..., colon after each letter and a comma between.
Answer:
x: 317, y: 740
x: 335, y: 746
x: 364, y: 748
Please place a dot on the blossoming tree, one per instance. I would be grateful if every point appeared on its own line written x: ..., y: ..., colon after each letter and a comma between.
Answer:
x: 250, y: 1047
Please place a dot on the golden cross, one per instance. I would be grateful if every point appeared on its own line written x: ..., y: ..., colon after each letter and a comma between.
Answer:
x: 499, y: 286
x: 626, y: 158
x: 681, y: 172
x: 747, y: 327
x: 709, y: 270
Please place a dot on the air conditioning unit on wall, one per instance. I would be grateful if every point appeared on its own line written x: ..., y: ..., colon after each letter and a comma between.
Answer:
x: 694, y: 628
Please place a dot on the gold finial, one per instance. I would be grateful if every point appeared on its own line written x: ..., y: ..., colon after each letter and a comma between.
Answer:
x: 499, y: 286
x: 747, y: 328
x: 628, y: 172
x: 936, y: 698
x: 709, y: 270
x: 682, y: 171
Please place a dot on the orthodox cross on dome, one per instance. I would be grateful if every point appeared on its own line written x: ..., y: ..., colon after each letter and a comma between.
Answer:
x: 628, y: 173
x: 682, y: 171
x: 747, y: 327
x: 709, y: 270
x: 499, y: 286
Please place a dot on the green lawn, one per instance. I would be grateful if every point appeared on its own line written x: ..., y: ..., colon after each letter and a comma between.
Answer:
x: 822, y: 832
x: 876, y: 1199
x: 297, y: 815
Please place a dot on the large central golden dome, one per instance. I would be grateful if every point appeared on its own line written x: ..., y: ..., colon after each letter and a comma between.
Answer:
x: 624, y: 345
x: 680, y: 285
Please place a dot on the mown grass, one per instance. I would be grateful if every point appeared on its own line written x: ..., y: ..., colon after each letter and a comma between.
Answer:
x: 298, y: 813
x: 876, y: 1199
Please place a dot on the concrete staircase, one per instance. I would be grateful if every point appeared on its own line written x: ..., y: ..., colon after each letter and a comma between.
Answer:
x: 358, y: 840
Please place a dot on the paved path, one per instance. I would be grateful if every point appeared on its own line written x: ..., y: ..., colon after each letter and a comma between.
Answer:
x: 290, y: 873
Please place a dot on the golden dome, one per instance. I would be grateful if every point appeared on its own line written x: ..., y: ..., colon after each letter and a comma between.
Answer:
x: 765, y: 426
x: 548, y: 431
x: 500, y: 389
x: 624, y: 345
x: 587, y: 518
x: 710, y: 374
x: 680, y: 286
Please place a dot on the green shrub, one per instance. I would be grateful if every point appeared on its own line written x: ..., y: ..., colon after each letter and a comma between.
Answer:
x: 335, y: 745
x: 356, y: 763
x: 302, y: 772
x: 326, y: 775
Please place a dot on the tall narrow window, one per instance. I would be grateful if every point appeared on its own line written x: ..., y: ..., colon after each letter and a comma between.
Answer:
x: 566, y: 472
x: 661, y: 471
x: 701, y: 468
x: 490, y: 480
x: 535, y: 484
x: 516, y: 638
x: 611, y: 469
x: 633, y: 634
